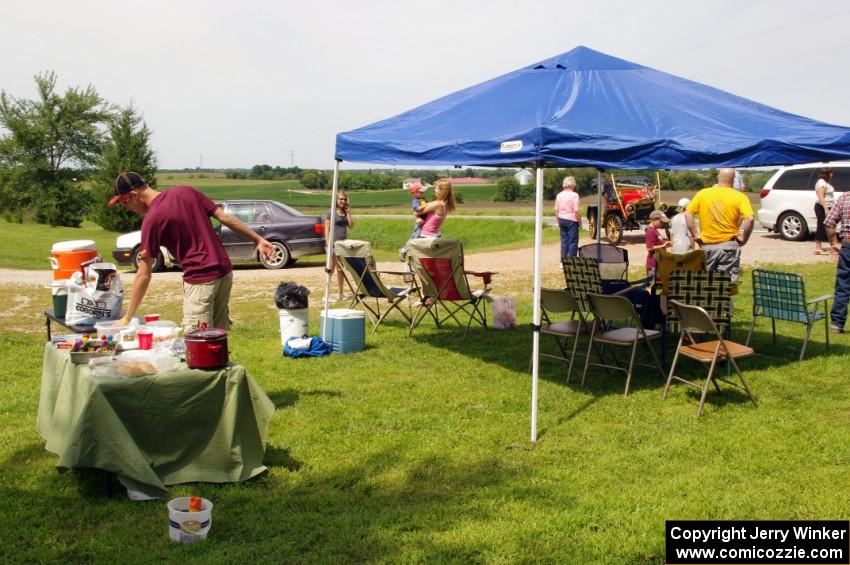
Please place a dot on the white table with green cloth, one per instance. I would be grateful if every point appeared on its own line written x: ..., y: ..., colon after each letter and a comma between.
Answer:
x: 179, y: 426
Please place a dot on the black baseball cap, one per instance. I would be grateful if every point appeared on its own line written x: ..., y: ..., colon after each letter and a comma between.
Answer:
x: 124, y: 183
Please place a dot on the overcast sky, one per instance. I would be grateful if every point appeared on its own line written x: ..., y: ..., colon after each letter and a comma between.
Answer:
x: 232, y: 84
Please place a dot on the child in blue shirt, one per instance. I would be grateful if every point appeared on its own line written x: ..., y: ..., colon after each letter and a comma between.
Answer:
x: 417, y: 191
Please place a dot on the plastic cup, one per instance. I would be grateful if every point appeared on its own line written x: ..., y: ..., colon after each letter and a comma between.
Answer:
x: 145, y: 338
x: 151, y: 317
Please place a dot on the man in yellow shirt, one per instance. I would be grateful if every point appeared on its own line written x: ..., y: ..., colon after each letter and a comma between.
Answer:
x: 726, y: 222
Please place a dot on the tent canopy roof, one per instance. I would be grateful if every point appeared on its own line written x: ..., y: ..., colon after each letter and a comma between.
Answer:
x: 585, y: 108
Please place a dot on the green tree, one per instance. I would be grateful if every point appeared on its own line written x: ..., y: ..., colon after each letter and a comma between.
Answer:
x: 689, y: 180
x: 429, y: 177
x: 51, y: 140
x: 314, y: 179
x: 507, y: 190
x: 127, y: 149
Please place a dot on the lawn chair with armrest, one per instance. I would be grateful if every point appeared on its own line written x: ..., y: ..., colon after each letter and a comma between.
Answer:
x: 364, y: 279
x: 707, y: 290
x: 583, y: 277
x: 443, y: 285
x: 782, y: 296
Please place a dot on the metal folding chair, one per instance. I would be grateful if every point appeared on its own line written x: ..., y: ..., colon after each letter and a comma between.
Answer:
x: 559, y: 301
x: 613, y: 264
x: 693, y: 320
x: 609, y: 309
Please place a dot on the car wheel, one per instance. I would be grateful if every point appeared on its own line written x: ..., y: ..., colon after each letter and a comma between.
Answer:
x: 591, y: 225
x: 158, y: 263
x: 792, y: 227
x: 279, y: 259
x: 614, y: 229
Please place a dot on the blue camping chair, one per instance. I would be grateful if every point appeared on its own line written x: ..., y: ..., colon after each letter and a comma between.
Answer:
x: 364, y: 279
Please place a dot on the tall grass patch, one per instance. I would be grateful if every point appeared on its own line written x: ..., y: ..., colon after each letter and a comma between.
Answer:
x: 388, y: 235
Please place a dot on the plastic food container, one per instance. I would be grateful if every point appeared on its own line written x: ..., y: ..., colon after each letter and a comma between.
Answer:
x: 83, y: 357
x: 163, y: 330
x: 110, y: 327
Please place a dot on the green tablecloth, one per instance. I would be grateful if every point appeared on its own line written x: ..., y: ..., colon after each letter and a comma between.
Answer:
x: 176, y: 427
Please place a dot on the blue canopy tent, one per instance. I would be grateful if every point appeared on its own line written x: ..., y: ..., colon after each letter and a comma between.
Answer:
x: 587, y: 109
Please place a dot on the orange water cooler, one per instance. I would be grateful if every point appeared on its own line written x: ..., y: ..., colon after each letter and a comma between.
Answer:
x: 66, y: 258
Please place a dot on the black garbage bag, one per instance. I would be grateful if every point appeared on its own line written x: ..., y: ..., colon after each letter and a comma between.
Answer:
x: 291, y: 296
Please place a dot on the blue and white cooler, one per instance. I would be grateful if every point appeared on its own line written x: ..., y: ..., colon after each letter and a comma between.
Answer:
x: 346, y: 331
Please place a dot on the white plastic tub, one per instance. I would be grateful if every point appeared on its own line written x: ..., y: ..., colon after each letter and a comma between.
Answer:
x: 185, y: 526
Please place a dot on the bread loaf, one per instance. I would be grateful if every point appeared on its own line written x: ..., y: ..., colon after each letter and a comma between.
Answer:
x: 131, y: 368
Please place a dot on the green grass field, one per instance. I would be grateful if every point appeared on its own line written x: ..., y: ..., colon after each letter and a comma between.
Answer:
x: 27, y: 246
x: 292, y: 193
x: 417, y: 450
x: 477, y: 200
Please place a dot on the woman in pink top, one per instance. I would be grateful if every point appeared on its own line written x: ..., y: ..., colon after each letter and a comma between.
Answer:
x: 435, y: 212
x: 566, y: 210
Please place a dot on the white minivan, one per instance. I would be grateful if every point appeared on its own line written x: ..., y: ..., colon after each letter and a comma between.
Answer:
x: 788, y: 198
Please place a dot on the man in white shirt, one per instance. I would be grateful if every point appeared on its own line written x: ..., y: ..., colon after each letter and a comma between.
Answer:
x: 680, y: 236
x: 738, y: 182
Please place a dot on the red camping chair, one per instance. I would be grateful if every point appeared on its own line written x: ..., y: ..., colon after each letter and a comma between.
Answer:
x: 443, y: 286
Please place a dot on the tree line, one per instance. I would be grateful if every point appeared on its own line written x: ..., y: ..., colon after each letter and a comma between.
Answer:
x: 373, y: 179
x: 508, y: 189
x: 63, y: 150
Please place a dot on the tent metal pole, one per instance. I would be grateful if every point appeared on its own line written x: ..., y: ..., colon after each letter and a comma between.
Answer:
x: 535, y: 347
x: 330, y: 248
x: 599, y: 214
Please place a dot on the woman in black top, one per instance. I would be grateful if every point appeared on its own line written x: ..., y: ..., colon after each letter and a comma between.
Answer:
x: 343, y: 223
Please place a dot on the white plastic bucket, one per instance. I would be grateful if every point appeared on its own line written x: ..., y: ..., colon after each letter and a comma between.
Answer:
x: 185, y: 526
x: 293, y: 323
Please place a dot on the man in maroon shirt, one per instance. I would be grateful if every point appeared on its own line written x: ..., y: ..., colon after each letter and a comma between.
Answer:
x: 179, y: 219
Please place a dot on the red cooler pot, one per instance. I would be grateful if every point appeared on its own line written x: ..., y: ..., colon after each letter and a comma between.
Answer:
x: 206, y: 348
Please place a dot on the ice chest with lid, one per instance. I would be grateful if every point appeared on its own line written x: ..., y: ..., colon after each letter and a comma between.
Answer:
x: 346, y: 331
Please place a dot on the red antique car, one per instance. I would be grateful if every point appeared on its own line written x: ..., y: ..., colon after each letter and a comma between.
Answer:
x: 626, y: 205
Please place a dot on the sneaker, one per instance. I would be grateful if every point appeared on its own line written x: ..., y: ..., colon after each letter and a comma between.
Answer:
x: 836, y: 330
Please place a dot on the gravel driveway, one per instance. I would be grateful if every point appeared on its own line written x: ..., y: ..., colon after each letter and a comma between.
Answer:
x: 512, y: 266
